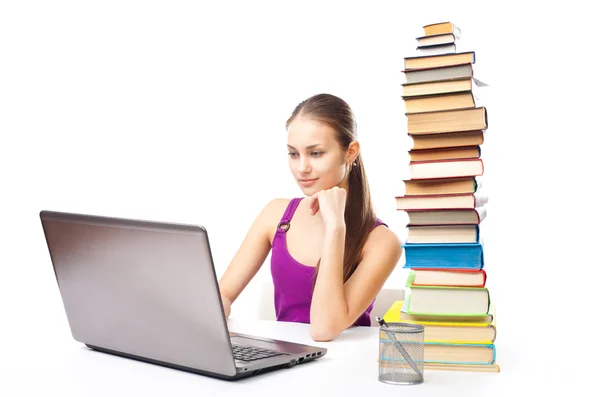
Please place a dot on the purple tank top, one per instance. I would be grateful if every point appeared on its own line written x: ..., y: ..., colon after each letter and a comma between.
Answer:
x: 293, y: 281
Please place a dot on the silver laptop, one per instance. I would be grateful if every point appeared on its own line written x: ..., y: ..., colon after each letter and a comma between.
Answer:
x: 148, y: 291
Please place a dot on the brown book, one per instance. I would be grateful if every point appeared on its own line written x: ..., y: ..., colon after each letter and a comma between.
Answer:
x: 443, y: 234
x: 431, y: 103
x: 447, y: 121
x: 441, y: 186
x: 447, y: 217
x: 456, y: 139
x: 430, y: 61
x: 469, y: 84
x: 462, y: 152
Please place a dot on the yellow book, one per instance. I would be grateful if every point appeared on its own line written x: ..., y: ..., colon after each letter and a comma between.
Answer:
x: 463, y: 367
x: 393, y: 313
x: 445, y: 331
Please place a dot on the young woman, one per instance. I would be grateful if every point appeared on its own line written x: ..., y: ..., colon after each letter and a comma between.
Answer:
x: 330, y: 254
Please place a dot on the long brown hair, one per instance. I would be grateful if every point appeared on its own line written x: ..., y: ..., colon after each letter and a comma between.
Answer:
x: 359, y: 214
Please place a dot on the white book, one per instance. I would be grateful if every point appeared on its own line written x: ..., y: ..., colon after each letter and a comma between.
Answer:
x: 436, y: 49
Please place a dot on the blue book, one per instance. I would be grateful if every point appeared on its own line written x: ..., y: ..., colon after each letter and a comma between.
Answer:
x: 453, y: 256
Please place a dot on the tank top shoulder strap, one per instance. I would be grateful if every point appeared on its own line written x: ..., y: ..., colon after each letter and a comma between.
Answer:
x: 379, y: 222
x: 284, y: 223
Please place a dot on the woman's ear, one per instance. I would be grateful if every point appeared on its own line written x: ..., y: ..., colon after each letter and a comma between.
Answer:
x: 353, y: 151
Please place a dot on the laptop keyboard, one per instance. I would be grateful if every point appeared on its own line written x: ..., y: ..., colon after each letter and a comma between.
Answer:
x: 249, y: 353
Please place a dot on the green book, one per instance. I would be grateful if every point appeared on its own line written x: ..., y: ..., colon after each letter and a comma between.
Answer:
x: 445, y: 300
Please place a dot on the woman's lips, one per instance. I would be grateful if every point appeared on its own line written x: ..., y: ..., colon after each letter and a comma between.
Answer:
x: 308, y: 182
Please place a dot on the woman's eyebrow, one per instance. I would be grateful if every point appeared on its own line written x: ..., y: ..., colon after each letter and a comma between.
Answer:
x: 308, y: 147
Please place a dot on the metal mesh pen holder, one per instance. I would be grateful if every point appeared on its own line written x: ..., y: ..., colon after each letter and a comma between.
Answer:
x: 401, y: 353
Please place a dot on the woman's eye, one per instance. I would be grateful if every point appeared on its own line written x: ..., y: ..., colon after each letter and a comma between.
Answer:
x: 292, y: 154
x: 316, y: 153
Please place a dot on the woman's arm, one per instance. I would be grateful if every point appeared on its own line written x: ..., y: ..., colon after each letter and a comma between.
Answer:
x: 251, y: 254
x: 335, y: 305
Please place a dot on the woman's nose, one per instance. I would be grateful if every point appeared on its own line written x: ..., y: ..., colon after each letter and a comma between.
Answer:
x: 304, y: 164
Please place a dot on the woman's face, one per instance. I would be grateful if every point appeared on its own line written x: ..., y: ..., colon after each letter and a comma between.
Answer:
x: 316, y: 159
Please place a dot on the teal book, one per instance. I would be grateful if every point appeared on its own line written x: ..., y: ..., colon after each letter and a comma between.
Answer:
x: 447, y: 353
x: 459, y: 353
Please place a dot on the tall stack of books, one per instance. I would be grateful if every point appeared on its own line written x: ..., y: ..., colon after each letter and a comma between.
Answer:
x: 445, y: 204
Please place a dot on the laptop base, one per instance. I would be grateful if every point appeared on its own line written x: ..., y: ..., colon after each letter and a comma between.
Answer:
x: 239, y: 375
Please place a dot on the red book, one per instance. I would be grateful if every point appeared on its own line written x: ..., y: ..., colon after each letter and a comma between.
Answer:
x: 441, y: 201
x: 448, y: 277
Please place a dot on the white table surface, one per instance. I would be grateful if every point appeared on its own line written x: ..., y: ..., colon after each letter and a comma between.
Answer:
x: 349, y: 368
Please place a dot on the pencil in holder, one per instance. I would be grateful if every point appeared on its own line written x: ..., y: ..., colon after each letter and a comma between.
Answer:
x: 401, y: 353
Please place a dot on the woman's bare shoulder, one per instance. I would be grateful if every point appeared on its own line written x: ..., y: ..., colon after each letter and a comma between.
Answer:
x: 383, y: 236
x: 273, y: 210
x: 277, y: 205
x: 271, y: 215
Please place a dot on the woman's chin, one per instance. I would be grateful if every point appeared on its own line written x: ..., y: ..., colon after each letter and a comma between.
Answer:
x: 309, y: 191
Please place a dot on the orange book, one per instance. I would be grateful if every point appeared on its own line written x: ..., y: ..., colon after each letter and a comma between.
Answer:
x: 445, y: 27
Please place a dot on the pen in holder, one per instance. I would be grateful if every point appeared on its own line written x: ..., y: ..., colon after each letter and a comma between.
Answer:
x: 401, y: 353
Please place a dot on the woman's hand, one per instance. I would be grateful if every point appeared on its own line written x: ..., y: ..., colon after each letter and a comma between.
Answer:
x: 331, y: 203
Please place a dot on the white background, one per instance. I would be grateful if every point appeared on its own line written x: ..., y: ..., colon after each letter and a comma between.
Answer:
x: 175, y: 111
